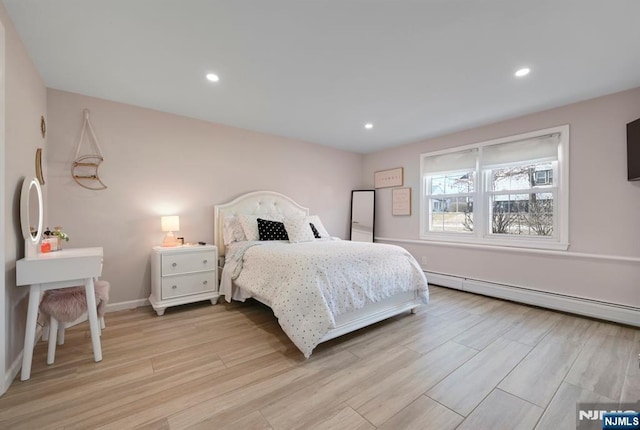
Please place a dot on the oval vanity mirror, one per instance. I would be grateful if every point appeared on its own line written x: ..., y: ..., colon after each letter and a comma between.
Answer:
x: 31, y: 215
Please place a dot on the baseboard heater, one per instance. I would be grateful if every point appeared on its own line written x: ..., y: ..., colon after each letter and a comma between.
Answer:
x: 591, y: 308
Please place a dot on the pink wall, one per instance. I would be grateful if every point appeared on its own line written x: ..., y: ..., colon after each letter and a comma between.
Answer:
x: 604, y: 206
x: 158, y: 163
x: 25, y: 102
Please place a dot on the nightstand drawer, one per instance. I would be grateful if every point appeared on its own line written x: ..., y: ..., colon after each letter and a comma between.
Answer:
x: 188, y: 263
x: 182, y: 285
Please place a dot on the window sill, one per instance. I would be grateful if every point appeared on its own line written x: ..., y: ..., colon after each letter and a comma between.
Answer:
x: 555, y: 253
x: 474, y: 241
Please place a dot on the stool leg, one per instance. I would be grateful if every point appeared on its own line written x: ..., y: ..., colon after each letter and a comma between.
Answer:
x: 61, y: 329
x: 53, y: 332
x: 94, y: 324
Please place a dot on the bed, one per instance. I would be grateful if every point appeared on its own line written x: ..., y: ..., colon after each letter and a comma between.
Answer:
x: 319, y: 288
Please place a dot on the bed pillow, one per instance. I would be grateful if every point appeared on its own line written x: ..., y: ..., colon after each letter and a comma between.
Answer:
x: 299, y: 230
x: 271, y: 230
x: 232, y: 230
x: 316, y: 235
x: 249, y: 224
x: 317, y: 224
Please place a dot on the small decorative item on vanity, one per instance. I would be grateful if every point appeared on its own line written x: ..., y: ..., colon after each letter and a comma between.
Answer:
x: 55, y: 238
x: 45, y: 246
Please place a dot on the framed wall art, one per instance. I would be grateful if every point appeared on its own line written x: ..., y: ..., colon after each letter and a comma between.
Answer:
x: 389, y: 178
x: 401, y: 201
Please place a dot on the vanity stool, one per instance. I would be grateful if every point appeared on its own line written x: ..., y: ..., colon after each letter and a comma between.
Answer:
x: 62, y: 306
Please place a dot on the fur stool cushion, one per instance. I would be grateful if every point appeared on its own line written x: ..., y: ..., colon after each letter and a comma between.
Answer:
x: 68, y: 304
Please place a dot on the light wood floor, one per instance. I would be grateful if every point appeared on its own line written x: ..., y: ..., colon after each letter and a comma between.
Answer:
x: 464, y: 361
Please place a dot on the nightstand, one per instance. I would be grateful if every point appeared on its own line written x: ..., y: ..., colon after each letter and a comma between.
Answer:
x: 183, y: 274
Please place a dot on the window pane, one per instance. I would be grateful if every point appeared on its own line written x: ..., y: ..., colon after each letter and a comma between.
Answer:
x: 452, y: 214
x: 452, y: 184
x: 522, y: 177
x: 438, y: 205
x: 437, y: 221
x: 437, y: 185
x: 522, y: 214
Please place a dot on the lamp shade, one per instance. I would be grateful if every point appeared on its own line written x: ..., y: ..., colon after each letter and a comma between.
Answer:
x: 170, y: 223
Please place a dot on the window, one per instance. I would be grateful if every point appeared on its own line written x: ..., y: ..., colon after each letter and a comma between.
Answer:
x: 543, y: 177
x: 511, y: 191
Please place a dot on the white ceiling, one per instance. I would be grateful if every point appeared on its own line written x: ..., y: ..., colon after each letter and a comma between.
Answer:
x: 318, y: 70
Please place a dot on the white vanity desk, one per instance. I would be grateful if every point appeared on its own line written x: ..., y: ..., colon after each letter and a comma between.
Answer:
x: 59, y: 269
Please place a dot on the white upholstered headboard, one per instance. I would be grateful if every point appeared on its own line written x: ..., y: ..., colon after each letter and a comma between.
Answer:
x: 254, y: 203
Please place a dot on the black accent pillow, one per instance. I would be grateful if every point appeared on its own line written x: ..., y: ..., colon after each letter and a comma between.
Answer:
x: 315, y: 231
x: 271, y: 230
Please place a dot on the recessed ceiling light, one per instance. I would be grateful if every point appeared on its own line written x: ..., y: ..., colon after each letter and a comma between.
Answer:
x: 522, y: 72
x: 213, y: 77
x: 368, y: 126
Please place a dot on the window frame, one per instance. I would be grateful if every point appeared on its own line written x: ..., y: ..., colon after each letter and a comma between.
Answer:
x: 482, y: 231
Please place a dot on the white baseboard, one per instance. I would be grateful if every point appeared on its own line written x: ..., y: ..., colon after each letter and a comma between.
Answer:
x: 16, y: 366
x: 445, y: 280
x: 591, y: 308
x: 12, y: 371
x: 132, y: 304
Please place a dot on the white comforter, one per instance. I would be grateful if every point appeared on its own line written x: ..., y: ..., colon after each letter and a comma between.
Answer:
x: 309, y: 284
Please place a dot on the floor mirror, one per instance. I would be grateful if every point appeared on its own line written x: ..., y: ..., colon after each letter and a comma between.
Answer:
x: 362, y: 215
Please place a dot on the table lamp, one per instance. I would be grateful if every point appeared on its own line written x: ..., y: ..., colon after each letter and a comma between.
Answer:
x: 169, y: 225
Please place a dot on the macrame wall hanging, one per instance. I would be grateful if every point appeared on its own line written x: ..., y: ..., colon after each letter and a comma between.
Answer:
x: 84, y: 169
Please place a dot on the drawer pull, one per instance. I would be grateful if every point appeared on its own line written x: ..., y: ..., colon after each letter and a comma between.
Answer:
x: 204, y: 282
x: 174, y: 264
x: 204, y: 261
x: 174, y: 287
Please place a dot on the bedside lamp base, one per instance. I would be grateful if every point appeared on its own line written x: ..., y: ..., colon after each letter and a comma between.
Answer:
x: 169, y: 240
